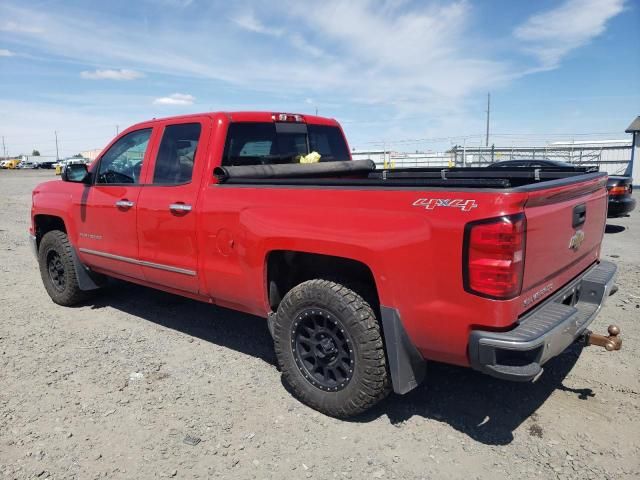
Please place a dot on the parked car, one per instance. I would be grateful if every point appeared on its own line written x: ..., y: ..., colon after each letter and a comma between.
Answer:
x: 621, y: 201
x: 11, y: 164
x: 363, y: 275
x: 46, y: 164
x: 28, y: 165
x: 539, y: 163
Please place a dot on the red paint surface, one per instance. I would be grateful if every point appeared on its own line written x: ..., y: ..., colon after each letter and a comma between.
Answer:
x: 414, y: 253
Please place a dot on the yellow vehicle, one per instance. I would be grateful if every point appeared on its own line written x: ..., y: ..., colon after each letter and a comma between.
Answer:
x: 11, y: 164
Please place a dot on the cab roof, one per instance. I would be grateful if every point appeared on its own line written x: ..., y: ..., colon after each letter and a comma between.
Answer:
x: 239, y: 116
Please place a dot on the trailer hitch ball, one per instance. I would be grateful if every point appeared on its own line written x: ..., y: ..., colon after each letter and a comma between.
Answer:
x: 610, y: 343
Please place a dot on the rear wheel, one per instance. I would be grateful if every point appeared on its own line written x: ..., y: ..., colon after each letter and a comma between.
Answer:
x: 329, y: 346
x: 57, y: 269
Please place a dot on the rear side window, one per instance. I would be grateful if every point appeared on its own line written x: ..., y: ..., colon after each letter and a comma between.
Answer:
x: 177, y: 152
x: 122, y: 163
x: 271, y: 143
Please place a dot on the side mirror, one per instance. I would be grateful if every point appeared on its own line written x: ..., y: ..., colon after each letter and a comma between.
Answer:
x: 75, y: 172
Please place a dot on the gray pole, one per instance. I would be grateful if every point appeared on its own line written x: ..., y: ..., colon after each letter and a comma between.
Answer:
x: 4, y: 149
x: 488, y: 113
x: 57, y: 154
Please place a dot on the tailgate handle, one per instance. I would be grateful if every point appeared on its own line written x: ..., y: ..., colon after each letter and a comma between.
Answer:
x: 579, y: 215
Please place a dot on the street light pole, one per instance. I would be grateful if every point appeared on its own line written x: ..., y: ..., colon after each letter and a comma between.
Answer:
x: 488, y: 114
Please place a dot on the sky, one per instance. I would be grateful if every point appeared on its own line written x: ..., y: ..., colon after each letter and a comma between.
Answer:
x: 405, y: 75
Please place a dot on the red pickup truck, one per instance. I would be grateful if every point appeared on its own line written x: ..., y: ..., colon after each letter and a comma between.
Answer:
x: 363, y: 275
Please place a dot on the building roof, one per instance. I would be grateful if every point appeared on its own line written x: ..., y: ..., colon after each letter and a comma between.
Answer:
x: 634, y: 127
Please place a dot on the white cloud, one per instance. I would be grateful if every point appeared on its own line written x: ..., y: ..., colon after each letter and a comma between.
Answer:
x: 248, y: 21
x: 15, y: 27
x: 304, y: 46
x: 410, y: 66
x: 175, y: 99
x: 6, y: 53
x: 122, y: 74
x: 551, y: 35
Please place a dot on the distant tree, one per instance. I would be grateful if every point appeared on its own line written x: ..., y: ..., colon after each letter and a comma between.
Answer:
x: 35, y: 153
x: 77, y: 155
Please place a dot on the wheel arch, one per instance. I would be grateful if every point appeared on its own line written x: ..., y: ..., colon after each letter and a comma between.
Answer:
x: 44, y: 223
x: 287, y: 268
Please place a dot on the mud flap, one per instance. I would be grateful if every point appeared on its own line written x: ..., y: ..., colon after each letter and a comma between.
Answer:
x: 406, y: 365
x: 87, y: 280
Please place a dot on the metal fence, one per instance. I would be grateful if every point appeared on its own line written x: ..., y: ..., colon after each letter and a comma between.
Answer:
x: 610, y: 156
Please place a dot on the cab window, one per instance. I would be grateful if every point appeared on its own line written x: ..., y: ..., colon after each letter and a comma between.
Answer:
x: 255, y: 143
x: 177, y: 152
x: 122, y: 163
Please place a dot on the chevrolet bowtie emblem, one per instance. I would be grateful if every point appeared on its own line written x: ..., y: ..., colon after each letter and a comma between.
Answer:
x: 576, y: 240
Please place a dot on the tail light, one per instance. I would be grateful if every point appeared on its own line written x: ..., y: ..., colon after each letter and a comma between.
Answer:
x: 493, y: 258
x: 620, y: 190
x: 287, y: 117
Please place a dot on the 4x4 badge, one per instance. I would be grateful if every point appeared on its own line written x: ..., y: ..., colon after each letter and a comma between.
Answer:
x: 431, y: 203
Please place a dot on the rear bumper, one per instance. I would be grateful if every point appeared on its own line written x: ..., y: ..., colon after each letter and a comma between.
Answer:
x: 618, y: 207
x: 545, y: 331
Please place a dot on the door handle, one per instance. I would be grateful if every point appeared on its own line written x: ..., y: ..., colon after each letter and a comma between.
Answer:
x: 180, y: 207
x: 579, y: 215
x: 125, y: 204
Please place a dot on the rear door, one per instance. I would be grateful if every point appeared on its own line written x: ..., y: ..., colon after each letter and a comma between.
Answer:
x: 107, y: 235
x: 167, y: 205
x: 565, y: 226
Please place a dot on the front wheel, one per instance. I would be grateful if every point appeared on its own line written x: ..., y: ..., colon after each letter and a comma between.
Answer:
x: 57, y: 269
x: 329, y: 346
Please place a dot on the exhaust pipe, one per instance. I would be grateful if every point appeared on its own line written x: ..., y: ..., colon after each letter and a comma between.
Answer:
x: 609, y: 343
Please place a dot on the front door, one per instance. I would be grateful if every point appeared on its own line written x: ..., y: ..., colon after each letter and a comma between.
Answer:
x: 167, y: 214
x: 107, y: 236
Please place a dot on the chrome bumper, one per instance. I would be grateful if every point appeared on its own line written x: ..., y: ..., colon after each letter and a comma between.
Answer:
x: 544, y: 332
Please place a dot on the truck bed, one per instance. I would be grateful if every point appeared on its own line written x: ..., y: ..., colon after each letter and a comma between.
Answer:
x: 368, y: 176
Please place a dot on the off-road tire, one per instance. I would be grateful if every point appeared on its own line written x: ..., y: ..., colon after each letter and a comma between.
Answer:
x: 370, y: 381
x: 56, y: 243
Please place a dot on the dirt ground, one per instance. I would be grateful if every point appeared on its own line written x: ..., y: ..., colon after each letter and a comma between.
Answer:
x: 143, y: 384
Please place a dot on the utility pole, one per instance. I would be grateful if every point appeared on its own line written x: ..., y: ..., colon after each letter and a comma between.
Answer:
x: 57, y: 154
x: 316, y: 111
x: 488, y: 114
x: 117, y: 130
x: 4, y: 149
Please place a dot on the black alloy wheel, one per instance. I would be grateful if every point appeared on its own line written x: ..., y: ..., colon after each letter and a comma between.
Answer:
x: 55, y: 267
x: 322, y: 349
x: 330, y: 349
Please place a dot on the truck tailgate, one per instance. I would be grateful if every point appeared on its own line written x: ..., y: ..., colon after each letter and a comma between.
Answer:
x: 565, y: 226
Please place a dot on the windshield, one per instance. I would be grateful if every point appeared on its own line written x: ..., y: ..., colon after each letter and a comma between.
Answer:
x: 270, y: 143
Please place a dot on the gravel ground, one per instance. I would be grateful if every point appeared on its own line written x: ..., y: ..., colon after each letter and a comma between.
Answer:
x: 142, y: 384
